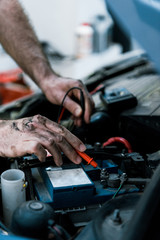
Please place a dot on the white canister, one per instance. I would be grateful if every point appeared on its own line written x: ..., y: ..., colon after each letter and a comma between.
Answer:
x: 84, y: 40
x: 13, y: 192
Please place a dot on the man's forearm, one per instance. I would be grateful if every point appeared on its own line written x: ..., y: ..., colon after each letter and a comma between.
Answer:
x: 20, y: 41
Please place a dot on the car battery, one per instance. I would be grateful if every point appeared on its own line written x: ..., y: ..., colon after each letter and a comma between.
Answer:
x: 66, y: 186
x: 74, y: 185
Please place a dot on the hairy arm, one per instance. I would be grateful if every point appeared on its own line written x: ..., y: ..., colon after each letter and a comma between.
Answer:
x: 20, y: 41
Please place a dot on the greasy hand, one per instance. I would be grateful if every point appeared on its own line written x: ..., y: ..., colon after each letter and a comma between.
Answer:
x: 35, y: 135
x: 55, y: 90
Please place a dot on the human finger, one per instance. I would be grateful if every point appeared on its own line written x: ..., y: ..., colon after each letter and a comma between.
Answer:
x: 34, y: 147
x: 55, y: 142
x: 89, y: 105
x: 72, y: 106
x: 77, y: 121
x: 53, y: 137
x: 62, y: 131
x: 49, y: 141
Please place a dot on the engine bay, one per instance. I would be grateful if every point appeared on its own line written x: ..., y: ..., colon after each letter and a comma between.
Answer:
x: 123, y: 139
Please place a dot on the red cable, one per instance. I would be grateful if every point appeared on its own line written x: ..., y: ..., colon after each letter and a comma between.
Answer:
x: 97, y: 89
x: 121, y: 140
x: 61, y: 114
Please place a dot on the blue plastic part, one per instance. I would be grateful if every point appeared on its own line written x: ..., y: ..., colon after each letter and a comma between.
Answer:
x: 66, y: 196
x: 79, y: 195
x: 94, y: 173
x: 140, y: 19
x: 12, y: 237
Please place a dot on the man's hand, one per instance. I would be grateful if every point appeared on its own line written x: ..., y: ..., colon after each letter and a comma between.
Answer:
x: 55, y: 89
x: 35, y: 135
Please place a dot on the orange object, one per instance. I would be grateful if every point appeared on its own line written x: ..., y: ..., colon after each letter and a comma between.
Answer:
x: 12, y: 86
x: 9, y: 94
x: 87, y: 158
x: 13, y: 75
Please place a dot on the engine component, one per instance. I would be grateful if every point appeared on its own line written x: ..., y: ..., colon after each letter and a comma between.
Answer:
x: 30, y: 219
x: 111, y: 219
x: 79, y: 200
x: 118, y: 99
x: 110, y: 180
x: 58, y: 186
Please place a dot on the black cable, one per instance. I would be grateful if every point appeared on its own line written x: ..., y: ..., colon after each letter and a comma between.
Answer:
x: 82, y: 102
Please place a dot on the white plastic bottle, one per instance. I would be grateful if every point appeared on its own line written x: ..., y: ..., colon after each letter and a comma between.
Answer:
x: 13, y: 192
x: 84, y: 40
